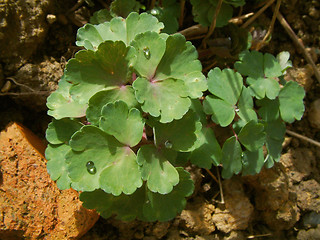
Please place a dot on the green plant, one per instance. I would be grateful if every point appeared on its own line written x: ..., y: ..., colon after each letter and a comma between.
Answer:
x: 129, y: 113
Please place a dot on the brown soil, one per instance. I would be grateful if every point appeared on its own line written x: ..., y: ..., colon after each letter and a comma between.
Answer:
x: 280, y: 203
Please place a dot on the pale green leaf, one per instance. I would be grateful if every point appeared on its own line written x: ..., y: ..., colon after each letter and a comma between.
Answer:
x: 165, y: 99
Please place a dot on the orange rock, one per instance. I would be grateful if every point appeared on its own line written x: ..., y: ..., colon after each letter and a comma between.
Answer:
x: 31, y: 205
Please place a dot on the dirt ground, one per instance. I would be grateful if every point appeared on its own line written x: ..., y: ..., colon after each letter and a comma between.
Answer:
x: 280, y: 203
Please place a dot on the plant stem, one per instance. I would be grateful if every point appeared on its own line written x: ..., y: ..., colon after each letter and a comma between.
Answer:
x: 213, y: 24
x: 247, y: 23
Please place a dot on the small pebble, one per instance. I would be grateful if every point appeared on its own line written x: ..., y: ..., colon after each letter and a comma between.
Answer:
x: 51, y: 18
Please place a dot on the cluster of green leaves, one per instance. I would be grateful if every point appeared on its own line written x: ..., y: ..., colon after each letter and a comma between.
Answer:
x: 127, y: 117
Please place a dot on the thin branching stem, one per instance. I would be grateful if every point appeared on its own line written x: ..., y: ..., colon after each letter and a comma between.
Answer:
x: 213, y: 24
x: 247, y: 23
x: 299, y: 43
x: 270, y: 29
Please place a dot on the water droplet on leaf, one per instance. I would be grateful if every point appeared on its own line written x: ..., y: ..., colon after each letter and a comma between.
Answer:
x: 168, y: 144
x: 91, y: 168
x: 146, y: 52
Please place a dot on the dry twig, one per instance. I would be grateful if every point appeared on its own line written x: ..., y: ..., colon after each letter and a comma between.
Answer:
x: 304, y: 138
x: 270, y: 29
x: 247, y: 23
x: 213, y: 24
x: 182, y: 5
x: 299, y: 43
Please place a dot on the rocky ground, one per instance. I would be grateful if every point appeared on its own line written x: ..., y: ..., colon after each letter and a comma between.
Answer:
x: 36, y: 40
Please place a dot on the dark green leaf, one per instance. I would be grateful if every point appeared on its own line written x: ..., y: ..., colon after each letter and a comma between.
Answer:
x: 97, y: 101
x: 263, y: 87
x: 101, y: 16
x: 245, y: 106
x: 157, y: 170
x: 252, y: 162
x: 231, y: 157
x: 123, y: 8
x: 180, y: 134
x: 208, y: 151
x: 269, y: 109
x: 252, y: 136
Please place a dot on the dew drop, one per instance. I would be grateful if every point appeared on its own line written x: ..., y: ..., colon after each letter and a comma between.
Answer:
x: 168, y: 144
x: 146, y: 52
x: 91, y: 168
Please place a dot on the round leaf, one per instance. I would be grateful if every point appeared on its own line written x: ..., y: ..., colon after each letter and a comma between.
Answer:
x: 180, y: 62
x: 61, y: 104
x: 56, y: 165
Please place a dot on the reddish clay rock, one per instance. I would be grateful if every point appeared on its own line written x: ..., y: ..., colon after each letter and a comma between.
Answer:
x: 237, y: 211
x: 31, y: 206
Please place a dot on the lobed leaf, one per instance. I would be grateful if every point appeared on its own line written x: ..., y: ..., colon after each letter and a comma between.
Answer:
x: 60, y: 131
x: 165, y: 99
x: 123, y: 8
x: 179, y: 135
x: 180, y: 61
x: 283, y: 59
x: 142, y: 204
x: 97, y: 101
x: 91, y: 72
x: 231, y: 157
x: 225, y: 84
x: 252, y: 162
x: 291, y: 102
x: 252, y: 136
x: 263, y: 87
x: 157, y: 170
x: 118, y: 29
x: 275, y: 132
x: 125, y: 124
x: 100, y: 16
x: 56, y: 165
x: 98, y: 160
x: 62, y: 105
x: 245, y: 106
x: 168, y: 14
x: 269, y: 109
x: 258, y: 65
x: 221, y: 111
x: 208, y: 151
x: 150, y: 47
